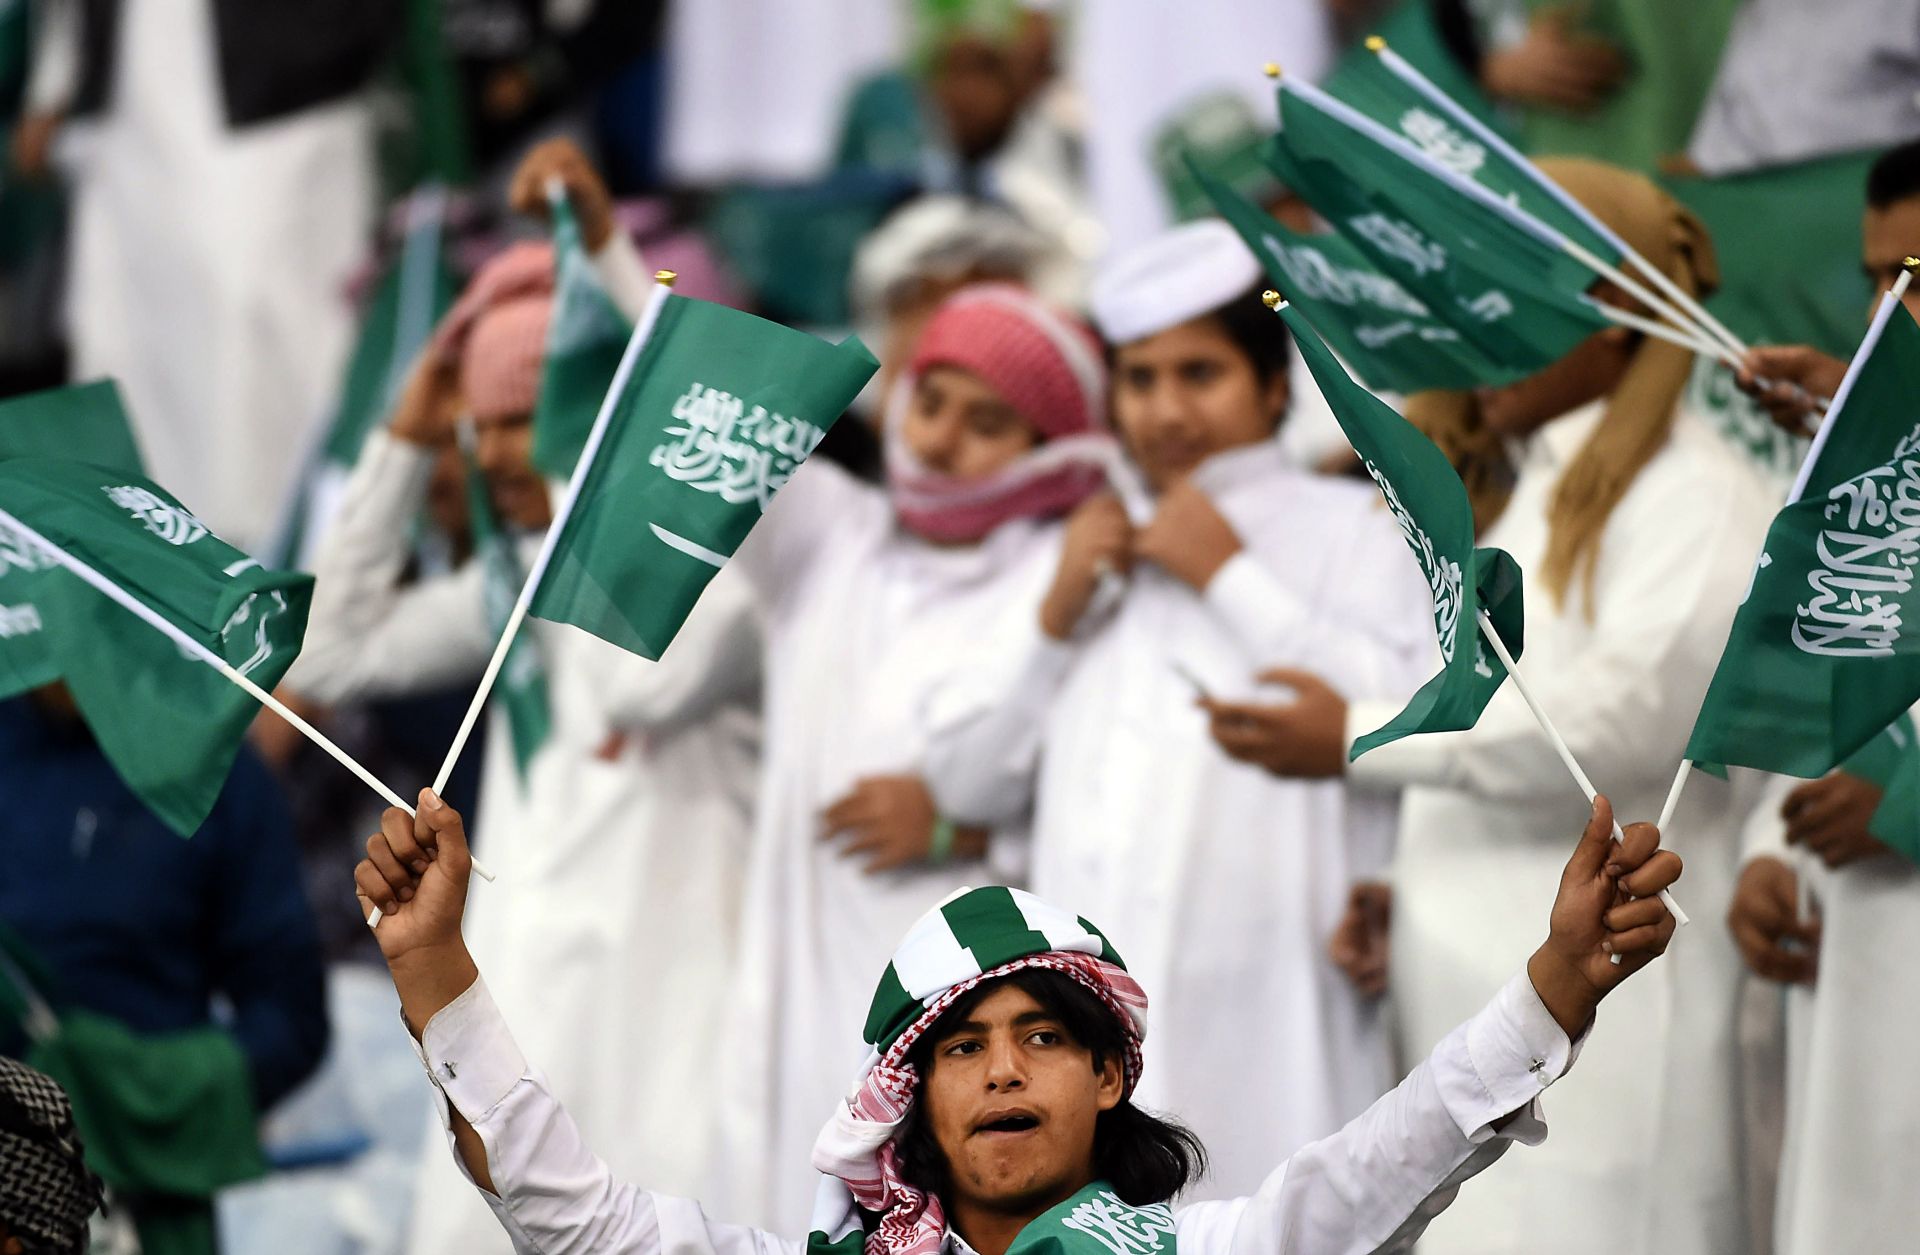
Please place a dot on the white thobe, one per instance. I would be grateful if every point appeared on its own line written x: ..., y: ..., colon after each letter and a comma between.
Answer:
x: 1647, y: 1158
x: 210, y: 265
x: 1368, y: 1189
x: 1219, y: 882
x: 618, y: 856
x: 863, y: 620
x: 1853, y: 1097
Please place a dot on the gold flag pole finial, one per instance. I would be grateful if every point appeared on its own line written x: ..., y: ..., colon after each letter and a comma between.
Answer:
x: 665, y: 278
x: 1375, y: 43
x: 1912, y: 264
x: 1271, y: 299
x: 1271, y: 69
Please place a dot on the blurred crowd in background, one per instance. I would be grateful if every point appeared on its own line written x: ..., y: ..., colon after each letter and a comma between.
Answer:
x: 252, y: 214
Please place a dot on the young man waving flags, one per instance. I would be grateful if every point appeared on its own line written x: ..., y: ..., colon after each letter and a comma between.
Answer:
x: 993, y: 1112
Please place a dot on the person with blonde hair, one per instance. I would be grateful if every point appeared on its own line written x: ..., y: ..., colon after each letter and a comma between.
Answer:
x: 1636, y: 528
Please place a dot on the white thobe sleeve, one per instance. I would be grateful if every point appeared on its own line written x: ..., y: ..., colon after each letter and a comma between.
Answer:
x: 811, y: 507
x: 1376, y: 1184
x: 1375, y: 641
x: 1764, y: 834
x: 555, y: 1196
x: 367, y: 636
x: 714, y: 661
x: 1662, y: 600
x: 985, y: 723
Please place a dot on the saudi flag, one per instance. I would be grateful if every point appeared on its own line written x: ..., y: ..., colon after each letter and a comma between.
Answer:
x: 1822, y: 655
x: 129, y: 598
x: 1391, y: 339
x: 86, y: 422
x: 585, y: 341
x: 1891, y: 760
x: 709, y: 414
x: 1385, y: 88
x: 1430, y: 505
x: 1496, y: 273
x: 522, y: 685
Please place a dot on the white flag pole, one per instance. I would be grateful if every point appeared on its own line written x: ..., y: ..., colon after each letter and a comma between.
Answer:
x: 663, y: 285
x: 1559, y: 743
x: 1868, y: 343
x: 1409, y: 74
x: 188, y: 644
x: 1661, y: 331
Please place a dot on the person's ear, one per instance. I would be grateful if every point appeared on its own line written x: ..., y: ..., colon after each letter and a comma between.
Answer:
x: 1111, y: 1083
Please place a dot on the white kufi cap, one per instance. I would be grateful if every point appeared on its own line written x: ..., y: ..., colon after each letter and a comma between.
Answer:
x: 1178, y: 275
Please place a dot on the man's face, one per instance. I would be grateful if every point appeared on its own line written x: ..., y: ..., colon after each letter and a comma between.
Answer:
x: 1187, y: 393
x: 503, y: 449
x: 1887, y: 237
x: 1011, y: 1101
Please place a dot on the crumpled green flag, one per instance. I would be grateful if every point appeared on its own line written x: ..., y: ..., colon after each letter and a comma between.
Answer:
x: 584, y: 343
x: 1821, y: 656
x: 1385, y: 334
x: 1891, y: 760
x: 522, y: 684
x: 719, y: 410
x: 1430, y: 505
x: 1471, y: 258
x: 168, y: 721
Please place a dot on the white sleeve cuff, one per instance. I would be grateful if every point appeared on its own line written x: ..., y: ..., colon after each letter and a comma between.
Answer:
x: 392, y: 474
x: 470, y: 1055
x: 1514, y: 1050
x: 1261, y: 610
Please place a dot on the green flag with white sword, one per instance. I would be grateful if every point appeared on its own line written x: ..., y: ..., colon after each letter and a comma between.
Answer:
x: 96, y: 550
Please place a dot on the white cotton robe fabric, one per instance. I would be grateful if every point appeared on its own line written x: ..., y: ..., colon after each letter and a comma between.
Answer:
x: 618, y: 859
x: 863, y: 621
x: 1645, y: 1160
x: 1220, y: 882
x: 209, y: 266
x: 1852, y: 1146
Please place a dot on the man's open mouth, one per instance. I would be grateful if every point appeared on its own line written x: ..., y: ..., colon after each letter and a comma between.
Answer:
x: 1017, y: 1123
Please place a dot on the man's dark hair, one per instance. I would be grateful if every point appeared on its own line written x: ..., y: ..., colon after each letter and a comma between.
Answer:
x: 1895, y: 176
x: 1255, y: 330
x: 1145, y: 1158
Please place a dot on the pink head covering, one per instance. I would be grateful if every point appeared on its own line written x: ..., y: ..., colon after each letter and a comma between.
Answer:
x: 1048, y: 367
x: 497, y: 332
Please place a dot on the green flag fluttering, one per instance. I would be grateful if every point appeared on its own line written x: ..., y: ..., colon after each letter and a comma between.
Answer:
x: 522, y: 686
x: 1430, y: 505
x: 584, y: 343
x: 1471, y: 258
x: 1821, y: 657
x: 1891, y: 760
x: 707, y: 417
x: 1387, y: 336
x: 167, y: 720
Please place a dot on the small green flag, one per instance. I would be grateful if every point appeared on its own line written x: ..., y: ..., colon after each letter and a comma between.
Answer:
x: 522, y: 684
x: 1391, y: 340
x: 1821, y: 656
x: 1385, y: 88
x: 167, y: 720
x: 711, y: 415
x: 1430, y: 505
x: 584, y: 343
x: 86, y: 422
x: 1471, y: 258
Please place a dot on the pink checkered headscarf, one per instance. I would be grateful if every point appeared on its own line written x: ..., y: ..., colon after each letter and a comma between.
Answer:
x: 497, y: 332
